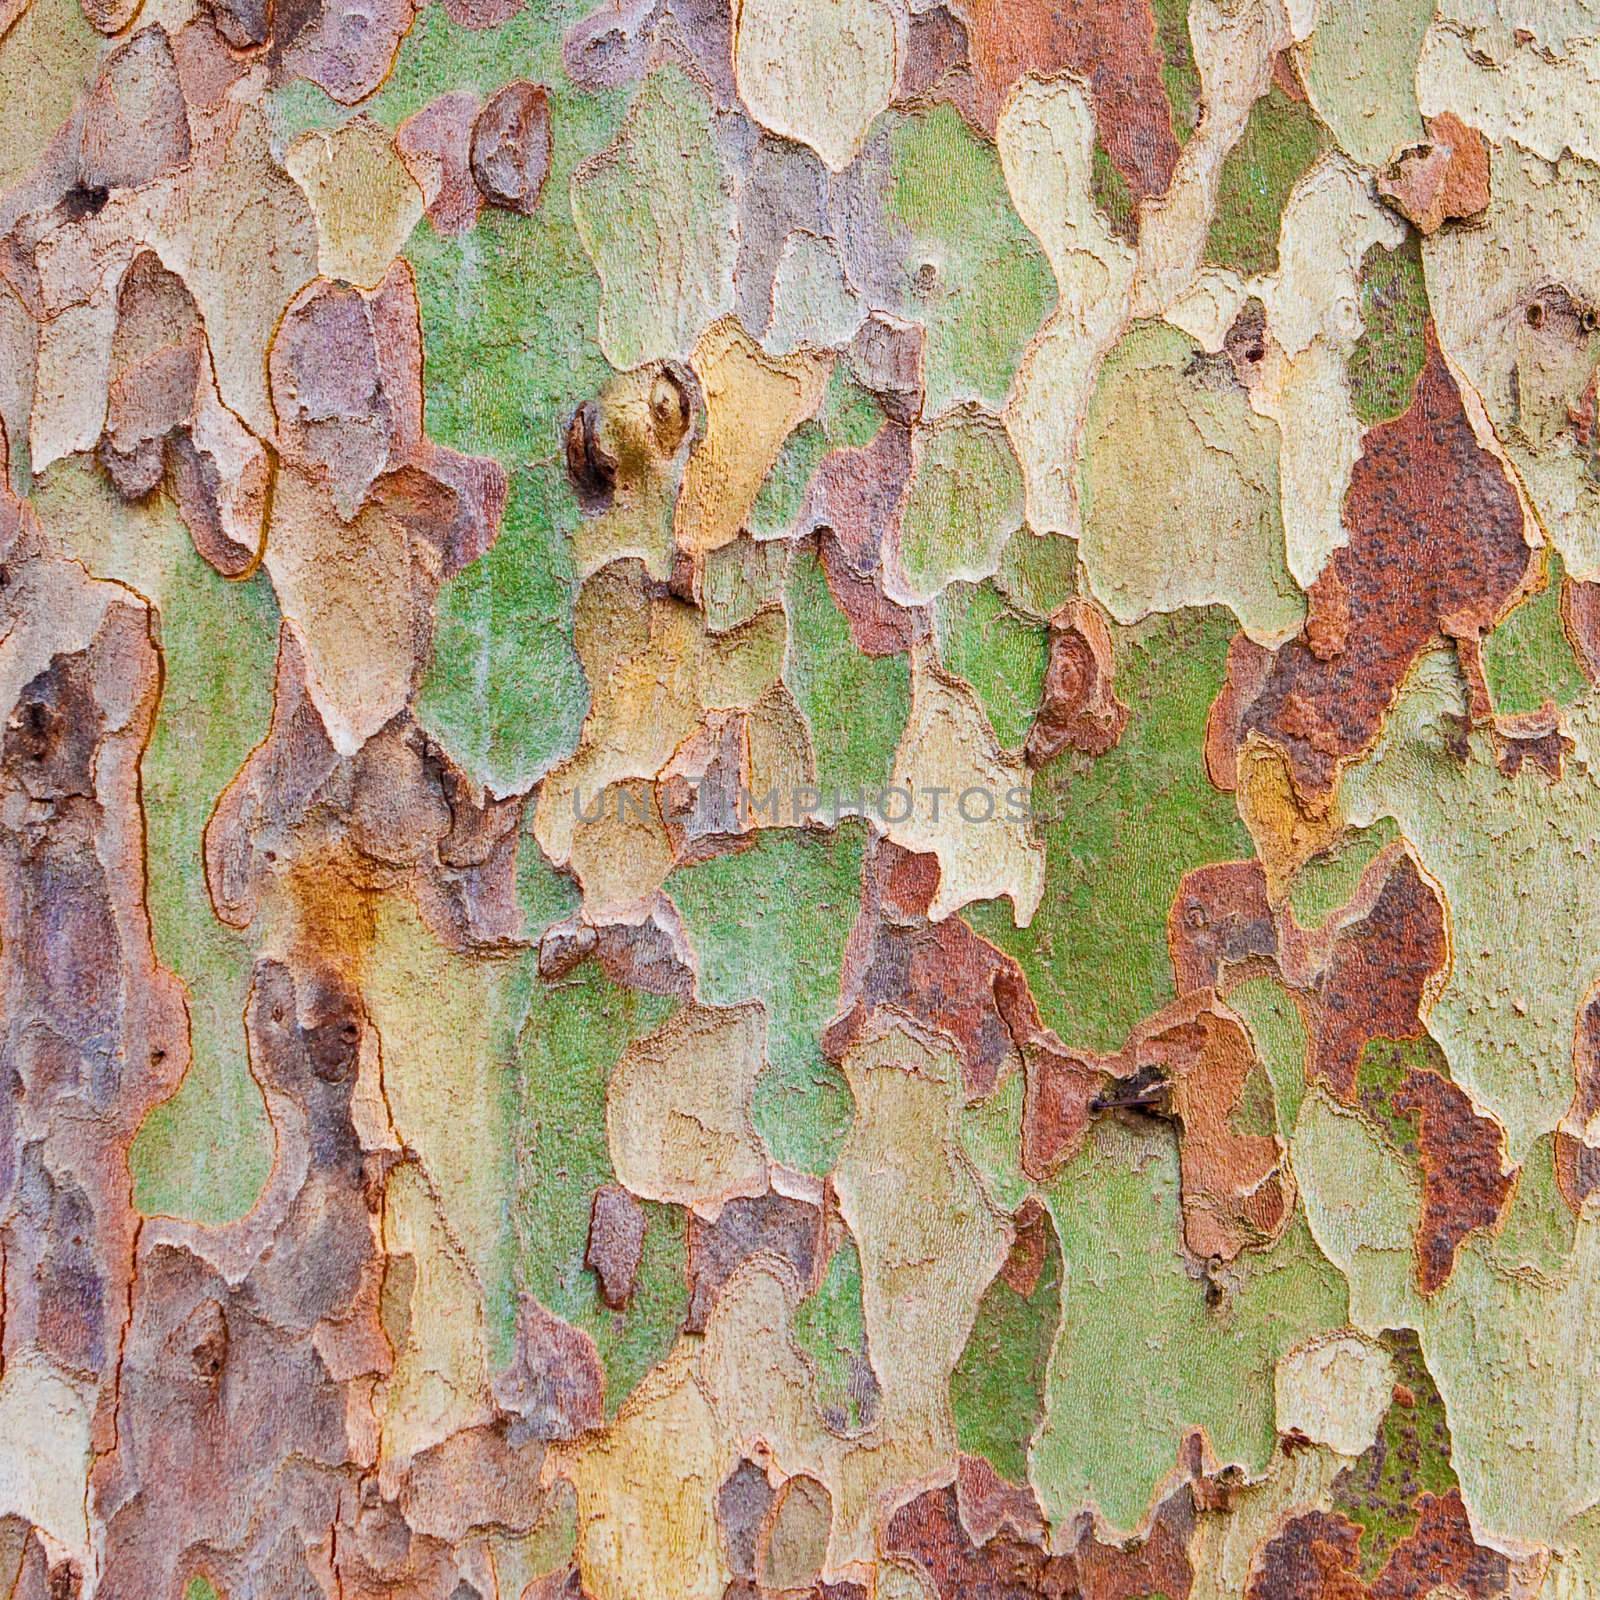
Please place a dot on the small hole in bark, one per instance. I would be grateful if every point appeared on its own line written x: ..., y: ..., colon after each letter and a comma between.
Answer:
x: 1535, y: 314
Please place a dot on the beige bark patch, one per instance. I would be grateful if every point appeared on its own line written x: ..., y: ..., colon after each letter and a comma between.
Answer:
x: 678, y: 1109
x: 1046, y: 139
x: 647, y: 1493
x: 753, y: 403
x: 365, y: 201
x: 965, y: 799
x: 1335, y: 1391
x: 817, y: 71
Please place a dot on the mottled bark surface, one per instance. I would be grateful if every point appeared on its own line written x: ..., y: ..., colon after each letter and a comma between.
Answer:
x: 799, y: 800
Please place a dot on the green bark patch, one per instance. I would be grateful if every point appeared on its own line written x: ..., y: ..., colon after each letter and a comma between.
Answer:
x: 1392, y: 350
x: 1119, y: 834
x: 504, y: 691
x: 1278, y: 145
x: 770, y: 924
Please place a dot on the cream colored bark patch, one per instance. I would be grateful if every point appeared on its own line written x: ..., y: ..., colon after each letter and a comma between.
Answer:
x: 965, y: 800
x: 1335, y: 1391
x: 929, y: 1243
x: 1046, y: 139
x: 647, y: 1493
x: 365, y: 201
x: 1313, y: 323
x: 753, y: 403
x: 433, y: 1315
x: 346, y: 589
x: 817, y: 71
x: 1522, y: 70
x: 1360, y: 68
x: 678, y: 1109
x: 1187, y: 514
x: 653, y: 668
x: 44, y: 1449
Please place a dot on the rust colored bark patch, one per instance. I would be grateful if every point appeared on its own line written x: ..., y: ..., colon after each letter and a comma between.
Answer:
x: 1445, y: 180
x: 1234, y: 1189
x: 1426, y: 500
x: 1080, y: 709
x: 1112, y: 46
x: 1462, y: 1185
x: 1220, y: 921
x: 1378, y: 970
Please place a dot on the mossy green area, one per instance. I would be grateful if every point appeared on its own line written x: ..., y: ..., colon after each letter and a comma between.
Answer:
x: 770, y: 924
x: 1180, y: 77
x: 974, y: 276
x: 1279, y: 1033
x: 964, y: 503
x: 504, y: 691
x: 575, y: 1030
x: 1279, y: 143
x: 1528, y: 659
x: 830, y: 1328
x: 997, y: 1389
x: 1112, y: 195
x: 1537, y: 1229
x: 1038, y: 572
x: 205, y: 1153
x: 1385, y: 1064
x: 1390, y: 354
x: 1409, y: 1458
x: 1002, y: 655
x: 1119, y: 833
x: 856, y: 704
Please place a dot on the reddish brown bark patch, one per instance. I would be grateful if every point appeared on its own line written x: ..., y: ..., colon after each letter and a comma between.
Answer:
x: 1249, y: 665
x: 1436, y: 549
x: 1377, y: 974
x: 984, y: 1540
x: 616, y: 1242
x: 1580, y: 614
x: 1061, y: 1087
x: 1313, y: 1557
x: 1080, y: 709
x: 1111, y: 45
x: 1444, y: 180
x: 1219, y: 919
x: 1003, y: 1567
x: 941, y: 973
x: 1442, y: 1554
x: 854, y: 510
x: 1233, y: 1190
x: 1462, y: 1185
x: 435, y: 144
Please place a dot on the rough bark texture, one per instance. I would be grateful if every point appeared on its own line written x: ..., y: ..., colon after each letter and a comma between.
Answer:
x: 799, y: 798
